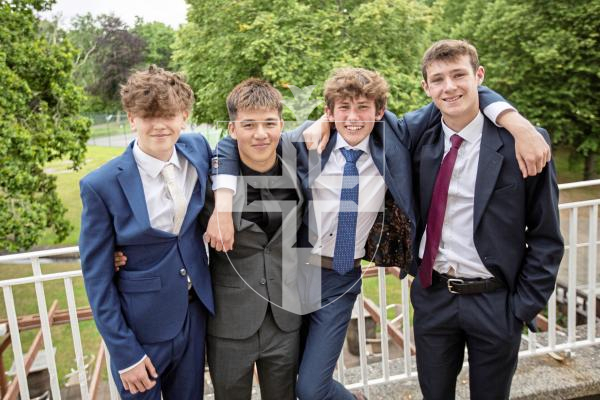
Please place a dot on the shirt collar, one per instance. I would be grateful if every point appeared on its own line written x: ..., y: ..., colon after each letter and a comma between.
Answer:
x: 471, y: 132
x: 152, y: 166
x: 363, y: 145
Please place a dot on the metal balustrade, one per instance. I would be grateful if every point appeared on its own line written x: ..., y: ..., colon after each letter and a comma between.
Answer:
x: 555, y: 340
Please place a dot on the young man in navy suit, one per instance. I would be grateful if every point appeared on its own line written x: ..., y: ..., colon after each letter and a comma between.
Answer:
x: 146, y: 202
x: 489, y: 241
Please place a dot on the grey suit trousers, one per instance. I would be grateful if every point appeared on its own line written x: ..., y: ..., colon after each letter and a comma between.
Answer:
x: 275, y: 352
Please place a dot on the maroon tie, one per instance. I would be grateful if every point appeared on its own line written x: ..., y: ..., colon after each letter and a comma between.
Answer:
x: 437, y: 211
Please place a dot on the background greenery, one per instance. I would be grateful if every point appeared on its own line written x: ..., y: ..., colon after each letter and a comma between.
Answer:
x: 541, y: 55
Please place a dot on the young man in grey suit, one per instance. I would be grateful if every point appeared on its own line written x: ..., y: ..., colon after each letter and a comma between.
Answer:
x: 253, y: 323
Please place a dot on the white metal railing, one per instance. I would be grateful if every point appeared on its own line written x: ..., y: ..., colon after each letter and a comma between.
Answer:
x: 379, y: 373
x: 38, y: 279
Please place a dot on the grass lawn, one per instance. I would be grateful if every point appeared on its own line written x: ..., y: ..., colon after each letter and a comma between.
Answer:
x: 67, y: 182
x: 370, y: 290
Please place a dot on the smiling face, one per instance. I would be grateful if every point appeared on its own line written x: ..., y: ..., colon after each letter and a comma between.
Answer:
x: 157, y: 135
x: 452, y: 85
x: 257, y: 133
x: 354, y: 118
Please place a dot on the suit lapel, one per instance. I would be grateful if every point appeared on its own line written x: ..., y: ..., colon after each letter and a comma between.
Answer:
x: 131, y: 184
x: 430, y: 160
x: 490, y: 163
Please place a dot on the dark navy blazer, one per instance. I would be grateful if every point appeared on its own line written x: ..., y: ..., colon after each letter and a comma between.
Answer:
x: 515, y: 223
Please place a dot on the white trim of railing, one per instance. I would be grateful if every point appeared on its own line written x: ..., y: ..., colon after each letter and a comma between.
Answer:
x: 579, y: 184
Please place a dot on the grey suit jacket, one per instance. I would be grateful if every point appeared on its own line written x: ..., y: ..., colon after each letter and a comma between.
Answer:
x: 258, y: 270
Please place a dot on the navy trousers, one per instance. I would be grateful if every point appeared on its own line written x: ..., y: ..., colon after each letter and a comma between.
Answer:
x: 179, y: 362
x: 325, y: 331
x: 444, y: 323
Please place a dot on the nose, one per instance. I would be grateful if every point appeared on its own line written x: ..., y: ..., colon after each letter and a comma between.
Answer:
x: 353, y: 114
x: 261, y: 131
x: 449, y: 84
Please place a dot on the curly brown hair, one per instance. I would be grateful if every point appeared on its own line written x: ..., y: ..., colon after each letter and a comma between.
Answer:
x: 156, y: 92
x: 355, y: 82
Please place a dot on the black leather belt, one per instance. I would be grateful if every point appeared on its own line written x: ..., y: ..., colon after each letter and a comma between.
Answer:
x: 327, y: 262
x: 457, y: 285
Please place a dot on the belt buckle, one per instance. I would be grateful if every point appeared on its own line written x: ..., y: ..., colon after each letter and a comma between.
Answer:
x: 452, y: 281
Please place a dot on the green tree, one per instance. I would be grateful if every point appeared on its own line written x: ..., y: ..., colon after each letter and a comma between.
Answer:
x: 158, y: 42
x: 290, y: 42
x: 39, y: 122
x: 118, y: 52
x: 545, y: 57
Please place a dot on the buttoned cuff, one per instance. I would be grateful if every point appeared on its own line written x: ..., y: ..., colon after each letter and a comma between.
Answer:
x: 224, y: 182
x: 122, y: 371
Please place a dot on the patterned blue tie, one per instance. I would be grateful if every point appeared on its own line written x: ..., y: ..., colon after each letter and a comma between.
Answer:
x: 343, y: 255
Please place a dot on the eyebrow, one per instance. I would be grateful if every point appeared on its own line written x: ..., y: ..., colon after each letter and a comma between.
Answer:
x: 462, y: 69
x: 262, y: 120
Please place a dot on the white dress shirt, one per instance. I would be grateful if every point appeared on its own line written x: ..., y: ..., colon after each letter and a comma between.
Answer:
x: 327, y: 190
x: 160, y: 205
x: 161, y: 208
x: 457, y: 254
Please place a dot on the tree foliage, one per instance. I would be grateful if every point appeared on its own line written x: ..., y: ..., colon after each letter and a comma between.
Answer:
x: 545, y: 57
x: 118, y: 52
x: 39, y: 122
x: 158, y: 42
x: 289, y: 42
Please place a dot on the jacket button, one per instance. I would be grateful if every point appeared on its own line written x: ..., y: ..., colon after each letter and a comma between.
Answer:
x: 182, y: 272
x: 263, y: 281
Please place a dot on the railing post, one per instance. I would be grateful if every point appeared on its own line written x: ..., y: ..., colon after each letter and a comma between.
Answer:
x: 82, y: 376
x: 13, y: 326
x: 592, y: 260
x: 46, y: 333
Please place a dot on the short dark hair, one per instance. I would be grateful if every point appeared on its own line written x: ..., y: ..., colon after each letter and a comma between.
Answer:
x: 449, y: 50
x: 253, y: 94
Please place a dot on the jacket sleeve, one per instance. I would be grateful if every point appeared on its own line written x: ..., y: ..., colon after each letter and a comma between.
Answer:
x: 414, y: 123
x: 545, y: 247
x: 225, y: 160
x: 96, y: 247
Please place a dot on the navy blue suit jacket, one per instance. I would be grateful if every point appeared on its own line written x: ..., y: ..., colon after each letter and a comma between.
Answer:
x: 515, y: 222
x: 147, y: 302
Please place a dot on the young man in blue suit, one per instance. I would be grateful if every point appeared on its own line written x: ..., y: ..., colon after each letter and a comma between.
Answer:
x: 379, y: 162
x: 489, y: 241
x: 146, y: 202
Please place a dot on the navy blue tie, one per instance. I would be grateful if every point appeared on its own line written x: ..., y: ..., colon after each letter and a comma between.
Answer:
x: 343, y: 255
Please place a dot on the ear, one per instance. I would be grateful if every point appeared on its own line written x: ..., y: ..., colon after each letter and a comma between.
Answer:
x: 379, y: 114
x: 185, y: 115
x: 231, y: 129
x: 131, y: 119
x: 425, y: 87
x: 329, y: 113
x: 480, y: 74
